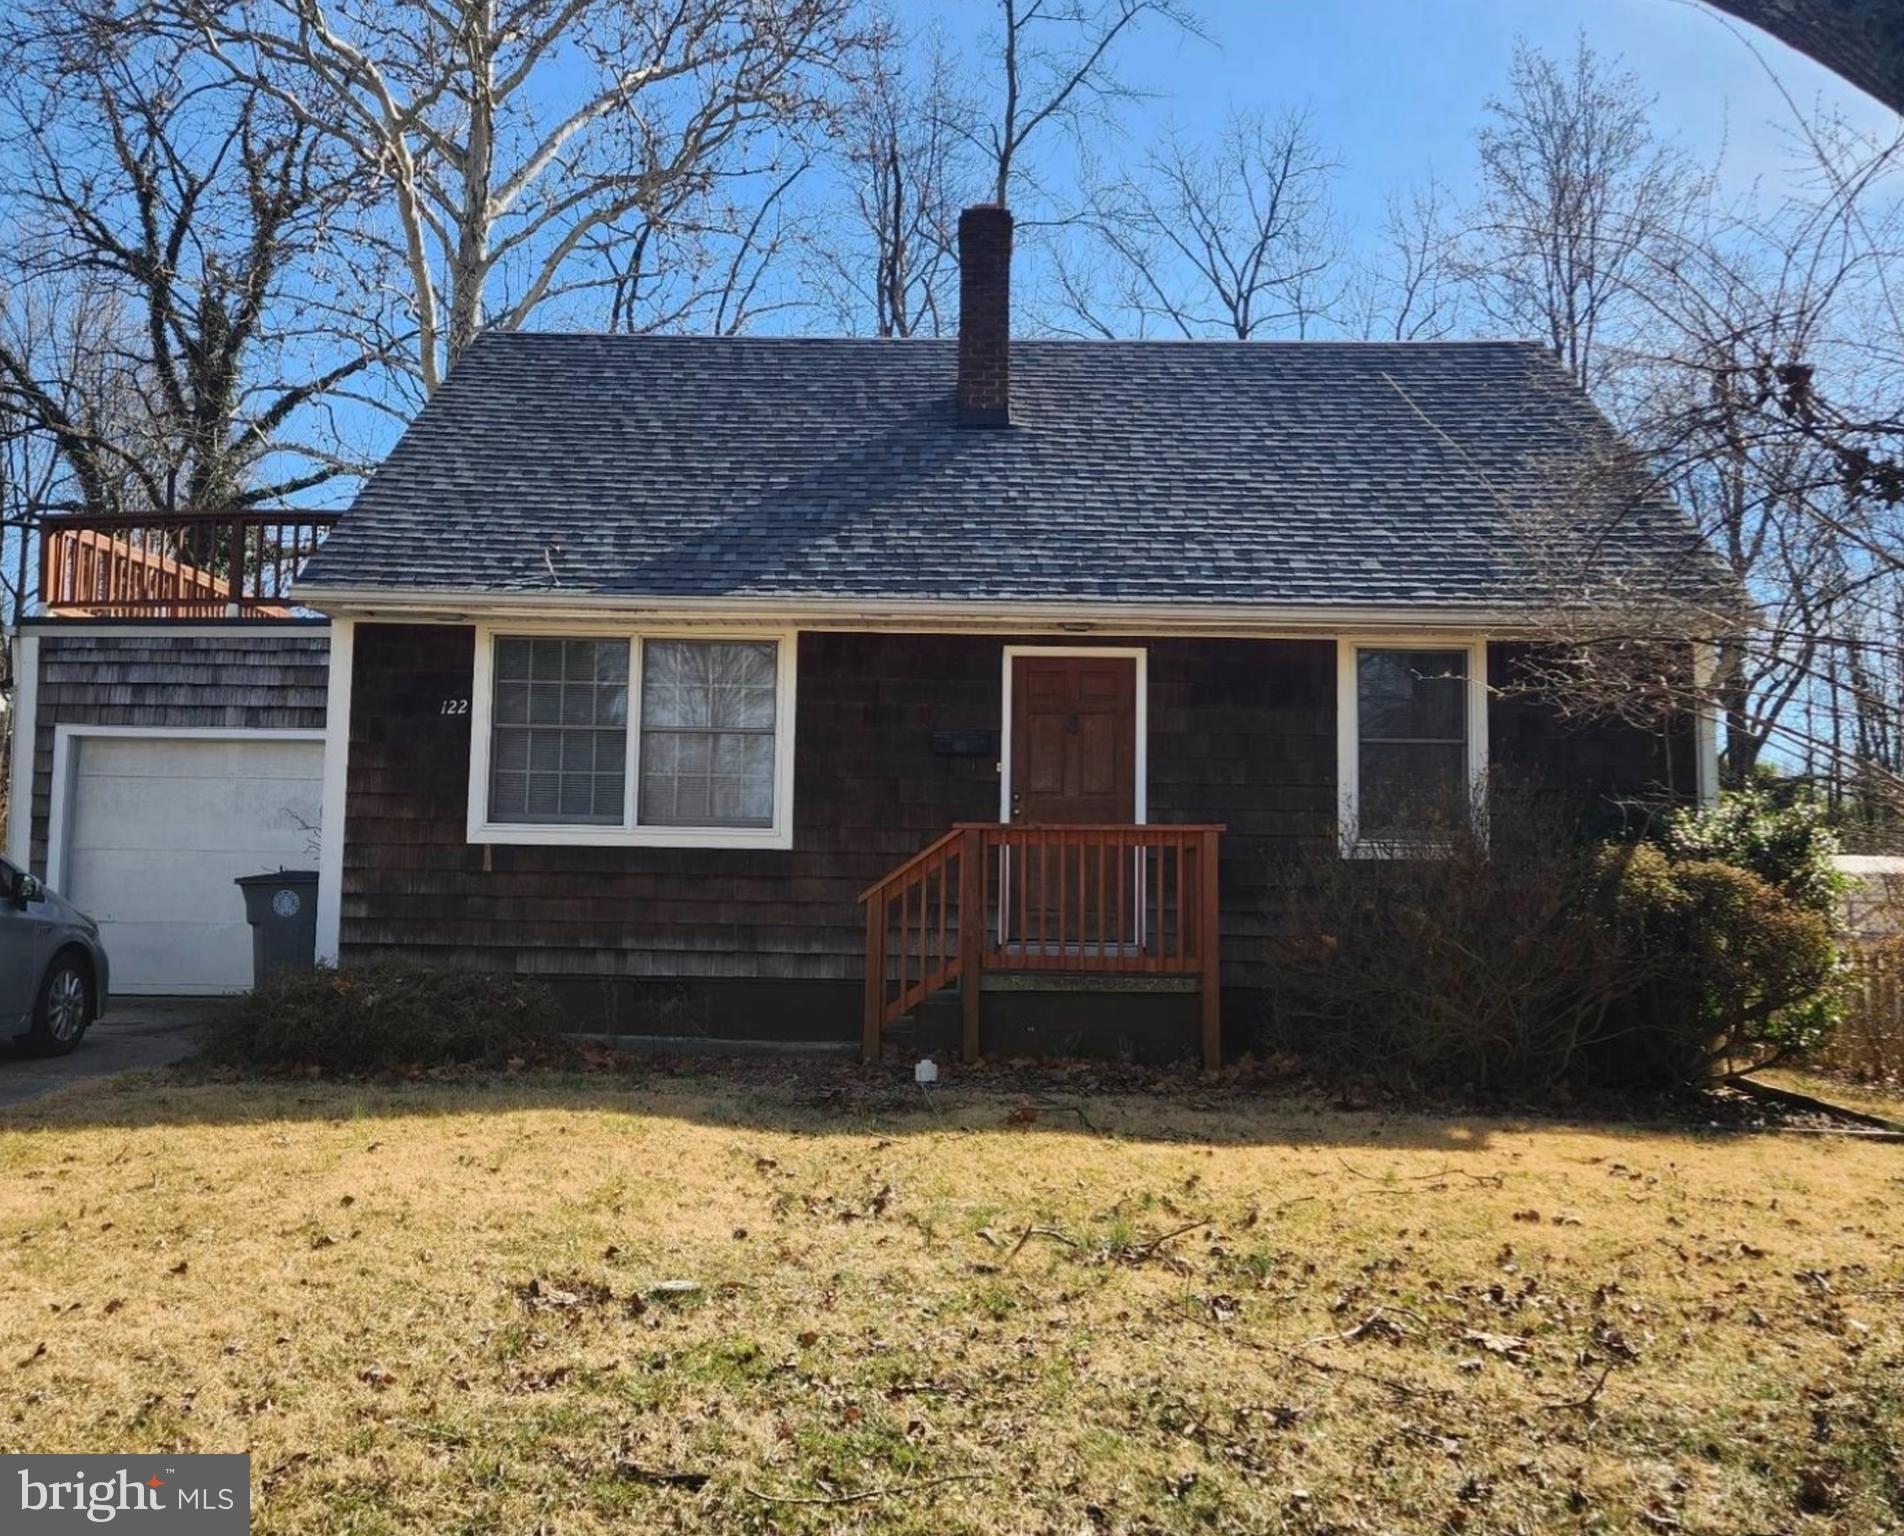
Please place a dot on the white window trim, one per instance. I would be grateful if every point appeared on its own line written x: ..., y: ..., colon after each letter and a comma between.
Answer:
x: 1348, y: 755
x: 330, y: 848
x: 482, y: 693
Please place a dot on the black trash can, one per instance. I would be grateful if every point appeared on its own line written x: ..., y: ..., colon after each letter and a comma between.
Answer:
x: 282, y: 911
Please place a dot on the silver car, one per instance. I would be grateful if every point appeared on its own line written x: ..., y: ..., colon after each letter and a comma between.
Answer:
x: 53, y: 973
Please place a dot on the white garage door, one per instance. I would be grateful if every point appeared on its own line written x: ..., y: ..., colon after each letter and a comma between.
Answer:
x: 158, y: 827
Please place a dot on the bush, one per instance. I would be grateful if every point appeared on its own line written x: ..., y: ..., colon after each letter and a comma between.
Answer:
x: 385, y: 1016
x: 1722, y: 968
x: 1784, y: 838
x: 1533, y: 959
x: 1786, y: 844
x: 1479, y: 967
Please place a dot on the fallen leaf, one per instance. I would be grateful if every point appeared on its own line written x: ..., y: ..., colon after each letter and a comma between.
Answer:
x: 1510, y: 1346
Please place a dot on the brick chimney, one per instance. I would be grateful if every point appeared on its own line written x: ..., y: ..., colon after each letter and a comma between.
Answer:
x: 985, y: 242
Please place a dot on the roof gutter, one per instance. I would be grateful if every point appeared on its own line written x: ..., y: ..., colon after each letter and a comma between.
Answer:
x: 922, y: 614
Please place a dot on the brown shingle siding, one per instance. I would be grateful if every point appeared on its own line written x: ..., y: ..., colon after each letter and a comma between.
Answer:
x: 869, y: 791
x: 1241, y: 732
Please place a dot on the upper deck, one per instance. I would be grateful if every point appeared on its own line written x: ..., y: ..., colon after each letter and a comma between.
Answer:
x: 177, y: 565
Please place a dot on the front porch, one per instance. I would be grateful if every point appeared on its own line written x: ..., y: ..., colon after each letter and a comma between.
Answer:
x: 991, y: 904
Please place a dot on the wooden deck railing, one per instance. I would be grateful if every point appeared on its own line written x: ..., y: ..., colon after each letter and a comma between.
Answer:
x: 176, y: 565
x: 1104, y: 900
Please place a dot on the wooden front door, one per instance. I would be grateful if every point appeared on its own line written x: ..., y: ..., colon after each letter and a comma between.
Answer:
x: 1074, y: 739
x: 1073, y: 760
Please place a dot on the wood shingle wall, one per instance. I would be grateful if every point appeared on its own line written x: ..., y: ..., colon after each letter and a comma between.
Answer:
x: 1242, y: 732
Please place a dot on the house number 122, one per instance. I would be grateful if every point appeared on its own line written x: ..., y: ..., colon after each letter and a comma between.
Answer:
x: 454, y: 707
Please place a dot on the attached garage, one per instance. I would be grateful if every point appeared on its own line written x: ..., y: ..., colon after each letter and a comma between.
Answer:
x: 149, y: 828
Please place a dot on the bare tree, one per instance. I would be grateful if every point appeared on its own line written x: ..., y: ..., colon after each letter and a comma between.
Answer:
x: 1760, y: 380
x: 1056, y: 63
x: 706, y: 262
x: 167, y: 330
x: 1231, y: 239
x: 1783, y: 328
x: 1580, y: 201
x: 886, y: 259
x: 1410, y: 286
x: 505, y: 138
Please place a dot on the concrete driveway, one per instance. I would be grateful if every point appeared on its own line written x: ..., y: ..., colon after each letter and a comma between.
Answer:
x: 140, y: 1032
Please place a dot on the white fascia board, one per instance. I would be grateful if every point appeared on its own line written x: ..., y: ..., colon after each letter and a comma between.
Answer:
x: 853, y: 613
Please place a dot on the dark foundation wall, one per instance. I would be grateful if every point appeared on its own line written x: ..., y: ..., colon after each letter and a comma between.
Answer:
x: 1242, y: 732
x: 244, y: 676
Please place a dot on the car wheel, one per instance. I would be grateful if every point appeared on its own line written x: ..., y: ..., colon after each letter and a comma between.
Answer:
x: 64, y: 1007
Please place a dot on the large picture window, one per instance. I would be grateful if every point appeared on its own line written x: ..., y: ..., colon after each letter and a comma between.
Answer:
x: 632, y: 738
x: 1412, y: 748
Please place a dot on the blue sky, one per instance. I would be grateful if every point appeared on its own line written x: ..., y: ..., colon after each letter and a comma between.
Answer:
x: 1396, y: 90
x: 1397, y: 86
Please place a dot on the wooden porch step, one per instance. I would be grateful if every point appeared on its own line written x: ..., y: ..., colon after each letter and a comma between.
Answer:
x: 938, y: 922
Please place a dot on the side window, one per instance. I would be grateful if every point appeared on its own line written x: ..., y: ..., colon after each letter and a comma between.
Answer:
x: 1409, y: 760
x: 707, y: 734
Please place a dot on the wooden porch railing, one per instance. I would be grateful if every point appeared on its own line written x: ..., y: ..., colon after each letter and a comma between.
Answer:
x: 1104, y: 900
x: 176, y: 565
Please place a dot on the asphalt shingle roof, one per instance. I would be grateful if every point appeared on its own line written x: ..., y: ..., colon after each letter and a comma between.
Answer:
x: 1302, y: 473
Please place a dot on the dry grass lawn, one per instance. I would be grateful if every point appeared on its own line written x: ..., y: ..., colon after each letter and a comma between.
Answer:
x: 447, y: 1309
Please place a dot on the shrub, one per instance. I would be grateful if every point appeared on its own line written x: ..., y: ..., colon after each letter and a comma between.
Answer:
x: 1529, y: 958
x: 1785, y: 840
x: 1786, y: 843
x: 1478, y: 966
x: 1720, y: 966
x: 385, y: 1016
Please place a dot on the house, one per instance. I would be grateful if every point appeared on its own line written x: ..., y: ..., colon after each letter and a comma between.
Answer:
x: 832, y: 688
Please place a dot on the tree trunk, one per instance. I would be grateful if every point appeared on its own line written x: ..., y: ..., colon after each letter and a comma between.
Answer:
x: 469, y: 269
x: 1860, y: 40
